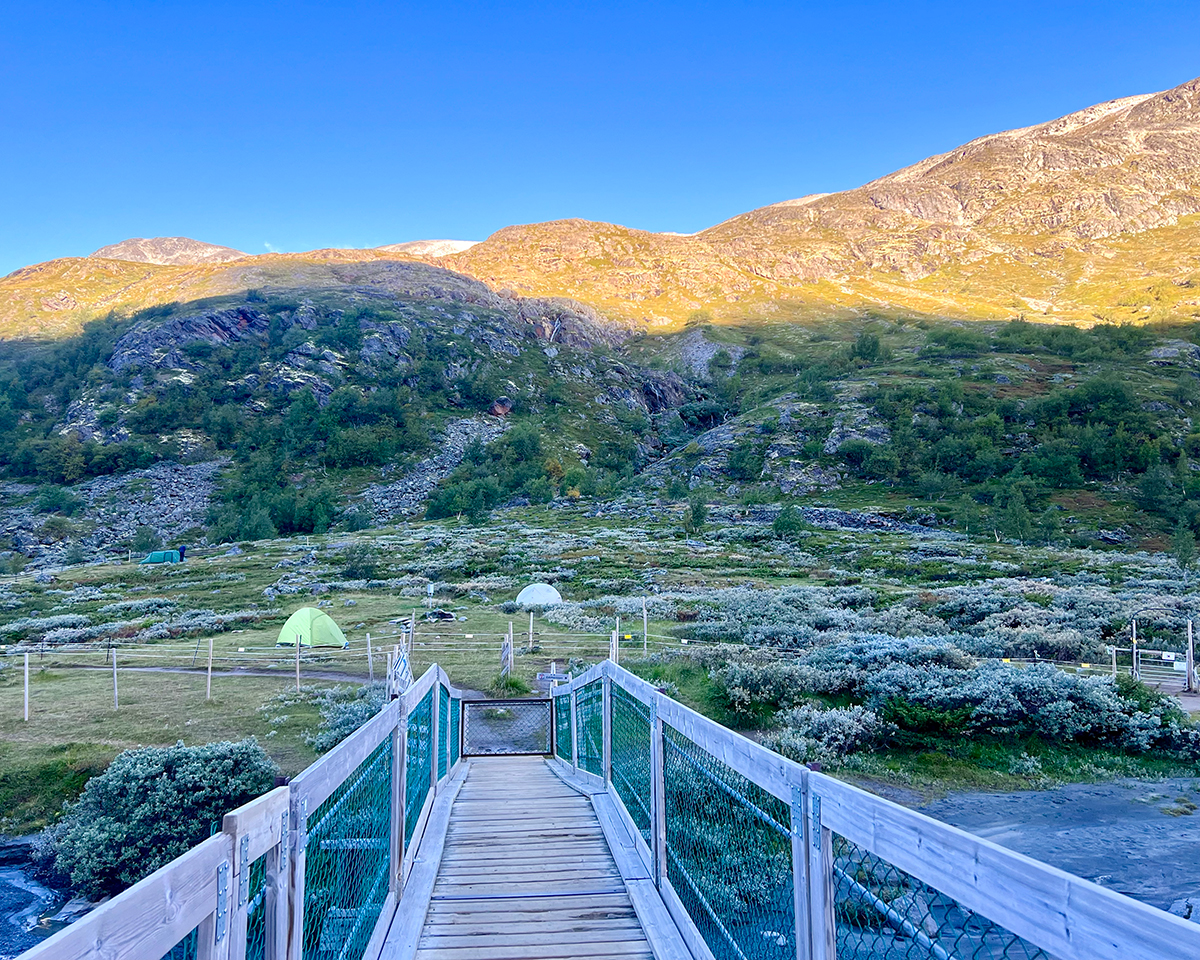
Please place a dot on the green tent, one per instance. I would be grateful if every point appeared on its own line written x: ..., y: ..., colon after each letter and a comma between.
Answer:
x: 161, y: 556
x: 314, y: 627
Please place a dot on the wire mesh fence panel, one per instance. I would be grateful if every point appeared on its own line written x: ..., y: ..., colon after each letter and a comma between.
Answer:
x: 562, y: 729
x: 589, y: 704
x: 729, y: 854
x: 256, y: 910
x: 500, y: 727
x: 417, y: 766
x: 443, y: 730
x: 884, y: 913
x: 631, y: 756
x: 346, y: 861
x: 185, y: 949
x: 455, y: 728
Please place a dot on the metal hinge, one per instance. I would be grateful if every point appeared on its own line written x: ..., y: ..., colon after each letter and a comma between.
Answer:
x: 283, y: 842
x: 222, y: 899
x: 816, y: 821
x: 244, y: 870
x: 302, y: 826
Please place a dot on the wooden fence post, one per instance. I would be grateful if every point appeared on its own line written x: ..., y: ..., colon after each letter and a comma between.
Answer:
x: 275, y: 894
x: 116, y: 700
x: 531, y: 631
x: 800, y: 892
x: 606, y: 732
x: 574, y: 731
x: 435, y: 711
x: 370, y: 661
x: 658, y: 799
x: 645, y: 628
x: 208, y: 689
x: 26, y: 686
x: 396, y: 832
x: 298, y: 817
x: 297, y: 663
x: 822, y: 922
x: 1190, y: 685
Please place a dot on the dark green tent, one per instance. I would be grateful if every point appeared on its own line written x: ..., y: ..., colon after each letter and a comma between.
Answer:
x: 161, y: 556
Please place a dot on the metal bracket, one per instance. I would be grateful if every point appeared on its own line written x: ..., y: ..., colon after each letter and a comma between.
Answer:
x: 244, y: 870
x: 222, y: 899
x: 797, y: 810
x: 816, y: 821
x: 283, y: 841
x: 302, y: 826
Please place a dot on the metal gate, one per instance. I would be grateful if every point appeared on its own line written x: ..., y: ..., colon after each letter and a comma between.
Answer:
x: 493, y: 728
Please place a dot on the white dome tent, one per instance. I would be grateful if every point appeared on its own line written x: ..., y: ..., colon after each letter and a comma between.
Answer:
x: 539, y: 595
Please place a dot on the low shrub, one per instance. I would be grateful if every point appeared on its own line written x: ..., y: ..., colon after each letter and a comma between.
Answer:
x: 150, y: 806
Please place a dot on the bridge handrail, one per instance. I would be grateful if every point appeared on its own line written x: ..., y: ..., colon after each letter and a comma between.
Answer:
x: 248, y: 883
x: 842, y: 839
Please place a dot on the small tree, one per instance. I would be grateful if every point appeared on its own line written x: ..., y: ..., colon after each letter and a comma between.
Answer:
x: 146, y: 539
x: 694, y: 516
x: 1017, y: 522
x: 1183, y: 545
x: 788, y: 523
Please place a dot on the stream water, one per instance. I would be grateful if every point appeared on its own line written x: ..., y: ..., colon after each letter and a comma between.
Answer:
x: 25, y: 909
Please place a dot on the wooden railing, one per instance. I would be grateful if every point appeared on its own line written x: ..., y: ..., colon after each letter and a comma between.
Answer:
x: 247, y: 884
x: 841, y: 837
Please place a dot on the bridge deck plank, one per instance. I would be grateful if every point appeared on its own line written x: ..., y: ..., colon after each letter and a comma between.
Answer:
x: 526, y: 874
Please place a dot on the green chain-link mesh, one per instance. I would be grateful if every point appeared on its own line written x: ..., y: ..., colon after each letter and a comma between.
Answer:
x: 729, y: 854
x: 589, y: 702
x: 455, y: 728
x: 256, y: 912
x: 884, y: 913
x: 185, y: 949
x: 443, y: 730
x: 562, y: 729
x: 631, y: 756
x: 346, y: 861
x: 420, y: 757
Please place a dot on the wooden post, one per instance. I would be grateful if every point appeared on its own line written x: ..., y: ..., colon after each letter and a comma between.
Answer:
x: 606, y: 731
x: 658, y: 800
x: 645, y: 628
x: 800, y: 893
x: 574, y: 731
x: 618, y: 637
x: 1114, y: 651
x: 27, y: 682
x: 297, y: 663
x: 275, y: 893
x: 116, y: 702
x: 1190, y: 685
x: 396, y: 825
x: 822, y: 921
x: 531, y: 631
x: 370, y: 662
x: 298, y: 818
x: 412, y: 636
x: 400, y: 798
x: 208, y: 691
x: 435, y: 732
x: 1134, y: 668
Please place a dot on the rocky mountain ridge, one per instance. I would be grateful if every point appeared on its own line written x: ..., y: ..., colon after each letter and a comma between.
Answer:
x: 1093, y: 216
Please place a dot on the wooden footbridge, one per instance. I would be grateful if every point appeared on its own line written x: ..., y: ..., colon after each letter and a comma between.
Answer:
x: 606, y: 821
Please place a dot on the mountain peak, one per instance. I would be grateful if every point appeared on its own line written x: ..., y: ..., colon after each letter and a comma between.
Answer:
x: 429, y: 248
x: 168, y: 250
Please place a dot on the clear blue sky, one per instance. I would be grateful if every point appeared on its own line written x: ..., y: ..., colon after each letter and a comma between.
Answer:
x: 291, y: 126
